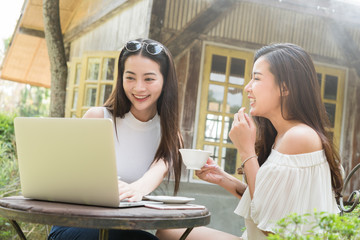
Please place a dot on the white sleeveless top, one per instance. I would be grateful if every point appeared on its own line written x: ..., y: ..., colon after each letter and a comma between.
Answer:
x: 136, y: 144
x: 287, y: 184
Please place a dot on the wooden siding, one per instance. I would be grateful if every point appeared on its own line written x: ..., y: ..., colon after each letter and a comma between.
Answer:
x: 355, y: 34
x: 130, y: 23
x: 179, y: 13
x: 260, y: 24
x: 250, y: 25
x: 188, y: 90
x: 350, y: 147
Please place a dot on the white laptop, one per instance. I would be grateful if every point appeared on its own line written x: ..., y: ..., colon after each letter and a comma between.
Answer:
x: 68, y: 160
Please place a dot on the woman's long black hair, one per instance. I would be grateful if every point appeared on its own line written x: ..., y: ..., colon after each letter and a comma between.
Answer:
x: 294, y: 68
x: 167, y: 106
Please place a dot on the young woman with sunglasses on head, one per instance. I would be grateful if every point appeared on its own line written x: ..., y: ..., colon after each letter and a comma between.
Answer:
x: 144, y: 109
x: 288, y: 158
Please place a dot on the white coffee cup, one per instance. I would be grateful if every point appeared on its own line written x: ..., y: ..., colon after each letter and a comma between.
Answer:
x: 194, y: 158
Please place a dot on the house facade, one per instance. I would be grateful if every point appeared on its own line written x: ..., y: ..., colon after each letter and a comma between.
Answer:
x: 213, y: 43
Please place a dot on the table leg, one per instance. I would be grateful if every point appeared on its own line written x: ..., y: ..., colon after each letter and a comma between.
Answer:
x: 186, y: 233
x: 17, y: 229
x: 103, y: 234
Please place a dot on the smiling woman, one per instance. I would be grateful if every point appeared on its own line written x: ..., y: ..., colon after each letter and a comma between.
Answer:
x: 288, y: 159
x: 143, y: 84
x: 144, y: 109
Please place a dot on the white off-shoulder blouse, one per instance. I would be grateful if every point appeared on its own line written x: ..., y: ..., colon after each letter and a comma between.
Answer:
x: 287, y: 184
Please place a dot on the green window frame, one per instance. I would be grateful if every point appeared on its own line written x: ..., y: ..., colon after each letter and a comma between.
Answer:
x: 91, y: 81
x: 226, y: 73
x: 72, y: 87
x: 332, y: 81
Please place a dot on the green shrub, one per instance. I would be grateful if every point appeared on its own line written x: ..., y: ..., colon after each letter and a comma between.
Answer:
x: 7, y: 133
x: 35, y: 101
x: 355, y: 212
x: 9, y: 179
x: 10, y: 182
x: 323, y: 226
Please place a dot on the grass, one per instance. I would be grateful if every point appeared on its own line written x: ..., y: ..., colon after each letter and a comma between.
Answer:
x: 354, y: 213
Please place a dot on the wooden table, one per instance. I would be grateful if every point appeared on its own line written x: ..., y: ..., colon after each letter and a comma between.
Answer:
x: 18, y: 208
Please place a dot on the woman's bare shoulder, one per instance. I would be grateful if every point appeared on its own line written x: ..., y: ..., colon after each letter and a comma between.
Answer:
x: 300, y: 139
x: 94, y: 112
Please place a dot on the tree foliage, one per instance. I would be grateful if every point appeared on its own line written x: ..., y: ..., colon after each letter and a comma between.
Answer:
x: 323, y: 226
x: 34, y: 102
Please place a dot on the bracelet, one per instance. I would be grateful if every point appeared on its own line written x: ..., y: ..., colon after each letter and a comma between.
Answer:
x: 243, y: 163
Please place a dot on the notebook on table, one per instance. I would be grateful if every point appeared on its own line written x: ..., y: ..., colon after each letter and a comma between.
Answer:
x: 68, y: 160
x: 174, y: 206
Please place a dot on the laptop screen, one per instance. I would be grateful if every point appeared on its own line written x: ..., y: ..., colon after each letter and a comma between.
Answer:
x: 67, y: 160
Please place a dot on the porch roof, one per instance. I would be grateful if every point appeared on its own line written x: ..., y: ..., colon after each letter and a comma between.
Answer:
x: 26, y: 59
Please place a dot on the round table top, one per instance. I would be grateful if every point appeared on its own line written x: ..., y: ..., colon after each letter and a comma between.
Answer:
x: 19, y: 208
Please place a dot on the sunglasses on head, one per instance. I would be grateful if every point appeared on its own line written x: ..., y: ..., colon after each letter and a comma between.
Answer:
x: 151, y: 48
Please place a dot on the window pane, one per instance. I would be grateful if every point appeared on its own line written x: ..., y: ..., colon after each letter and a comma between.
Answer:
x: 234, y: 100
x: 93, y: 69
x: 214, y: 150
x: 330, y: 87
x: 108, y: 69
x: 237, y: 71
x: 330, y: 109
x: 77, y: 73
x: 215, y: 98
x: 213, y: 128
x: 229, y: 158
x: 90, y: 97
x: 218, y: 68
x: 227, y: 127
x: 75, y: 99
x: 105, y: 93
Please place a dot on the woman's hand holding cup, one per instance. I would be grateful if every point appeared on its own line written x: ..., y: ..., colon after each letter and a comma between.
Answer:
x: 210, y: 172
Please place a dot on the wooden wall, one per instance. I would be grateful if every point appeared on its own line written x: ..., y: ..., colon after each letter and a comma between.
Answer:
x: 180, y: 12
x: 350, y: 148
x: 188, y: 72
x: 251, y: 25
x: 128, y: 21
x: 247, y: 25
x: 260, y: 24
